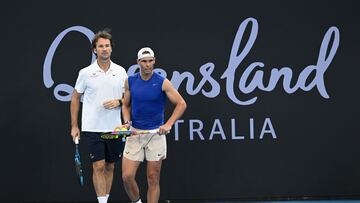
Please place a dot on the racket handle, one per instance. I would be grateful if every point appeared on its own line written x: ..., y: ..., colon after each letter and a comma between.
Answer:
x: 76, y: 140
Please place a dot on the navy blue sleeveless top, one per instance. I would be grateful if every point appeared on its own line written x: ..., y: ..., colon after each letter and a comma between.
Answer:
x: 147, y: 101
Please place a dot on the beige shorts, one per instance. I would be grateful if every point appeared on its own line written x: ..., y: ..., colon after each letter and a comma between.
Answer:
x: 151, y: 147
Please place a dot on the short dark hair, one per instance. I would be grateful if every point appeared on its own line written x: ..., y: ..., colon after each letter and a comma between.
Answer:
x: 101, y: 34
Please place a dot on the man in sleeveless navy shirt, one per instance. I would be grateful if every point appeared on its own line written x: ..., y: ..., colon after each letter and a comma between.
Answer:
x: 143, y: 108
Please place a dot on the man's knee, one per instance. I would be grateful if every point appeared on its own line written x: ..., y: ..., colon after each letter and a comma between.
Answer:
x: 99, y: 167
x: 153, y: 179
x: 128, y: 177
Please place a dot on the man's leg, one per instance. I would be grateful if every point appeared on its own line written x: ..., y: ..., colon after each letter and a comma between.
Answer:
x: 109, y: 174
x: 153, y: 178
x: 99, y: 178
x: 129, y: 169
x: 97, y: 155
x: 113, y: 150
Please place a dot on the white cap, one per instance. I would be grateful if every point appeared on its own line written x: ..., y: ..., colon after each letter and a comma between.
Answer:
x: 145, y: 52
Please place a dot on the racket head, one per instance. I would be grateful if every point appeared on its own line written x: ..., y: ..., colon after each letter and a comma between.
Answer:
x: 109, y: 136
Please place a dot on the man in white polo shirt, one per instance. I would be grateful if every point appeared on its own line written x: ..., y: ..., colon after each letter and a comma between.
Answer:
x: 102, y: 87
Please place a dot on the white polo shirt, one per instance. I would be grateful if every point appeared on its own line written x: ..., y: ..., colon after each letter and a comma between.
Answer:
x: 97, y: 87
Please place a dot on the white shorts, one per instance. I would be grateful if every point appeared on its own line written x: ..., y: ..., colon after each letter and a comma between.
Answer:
x: 151, y: 147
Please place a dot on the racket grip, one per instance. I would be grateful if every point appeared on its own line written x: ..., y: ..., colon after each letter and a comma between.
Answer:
x: 76, y: 140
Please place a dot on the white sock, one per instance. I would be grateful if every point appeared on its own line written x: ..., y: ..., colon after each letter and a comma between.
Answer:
x: 107, y: 197
x: 102, y: 199
x: 139, y: 201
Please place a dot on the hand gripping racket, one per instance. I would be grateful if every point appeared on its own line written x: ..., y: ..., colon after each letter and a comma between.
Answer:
x: 78, y: 168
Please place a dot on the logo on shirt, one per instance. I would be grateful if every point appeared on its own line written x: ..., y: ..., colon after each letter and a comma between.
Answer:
x: 93, y: 75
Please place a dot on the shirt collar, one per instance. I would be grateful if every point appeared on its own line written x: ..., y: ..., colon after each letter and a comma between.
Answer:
x: 98, y: 69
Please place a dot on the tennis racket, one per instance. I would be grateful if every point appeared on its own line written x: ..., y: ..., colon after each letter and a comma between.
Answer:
x: 117, y: 133
x: 78, y: 168
x: 126, y: 133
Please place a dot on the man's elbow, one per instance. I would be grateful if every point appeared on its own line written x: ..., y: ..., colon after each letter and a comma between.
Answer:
x: 183, y: 104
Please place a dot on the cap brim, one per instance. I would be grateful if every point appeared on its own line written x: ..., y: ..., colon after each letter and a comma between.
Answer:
x: 146, y: 56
